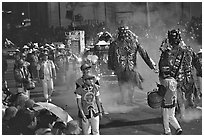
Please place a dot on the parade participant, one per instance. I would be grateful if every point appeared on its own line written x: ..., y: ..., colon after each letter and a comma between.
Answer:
x: 122, y: 59
x: 177, y: 60
x: 89, y: 105
x: 169, y: 105
x: 86, y: 70
x: 47, y: 73
x: 199, y: 72
x: 22, y: 77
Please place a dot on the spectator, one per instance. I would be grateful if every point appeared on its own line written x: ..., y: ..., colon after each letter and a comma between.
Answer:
x: 45, y: 120
x: 10, y: 113
x: 58, y: 128
x: 33, y: 60
x: 72, y: 128
x: 25, y: 121
x: 22, y: 77
x: 47, y: 73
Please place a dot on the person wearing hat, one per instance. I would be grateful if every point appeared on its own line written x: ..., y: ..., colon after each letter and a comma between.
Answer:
x: 47, y: 73
x: 89, y: 105
x: 22, y: 76
x: 86, y: 70
x: 25, y: 49
x: 25, y: 59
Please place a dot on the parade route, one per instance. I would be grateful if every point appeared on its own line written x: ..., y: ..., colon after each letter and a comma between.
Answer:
x: 137, y: 119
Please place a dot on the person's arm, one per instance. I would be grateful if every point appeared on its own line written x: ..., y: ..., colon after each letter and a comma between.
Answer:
x: 53, y: 69
x: 79, y: 105
x: 197, y: 64
x: 146, y: 57
x: 98, y: 102
x: 38, y: 70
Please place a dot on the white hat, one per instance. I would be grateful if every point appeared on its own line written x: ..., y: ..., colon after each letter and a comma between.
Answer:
x: 17, y: 50
x: 35, y: 45
x: 25, y: 47
x: 200, y: 51
x: 102, y: 43
x: 61, y: 46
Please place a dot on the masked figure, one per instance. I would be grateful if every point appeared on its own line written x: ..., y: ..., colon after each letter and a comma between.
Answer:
x: 122, y: 59
x: 176, y: 61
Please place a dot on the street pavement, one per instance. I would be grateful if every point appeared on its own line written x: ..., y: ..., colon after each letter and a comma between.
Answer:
x: 137, y: 119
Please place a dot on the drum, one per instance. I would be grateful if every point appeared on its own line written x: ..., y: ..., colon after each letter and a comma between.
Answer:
x: 154, y: 100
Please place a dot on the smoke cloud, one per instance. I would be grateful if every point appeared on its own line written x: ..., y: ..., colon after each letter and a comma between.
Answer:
x: 192, y: 114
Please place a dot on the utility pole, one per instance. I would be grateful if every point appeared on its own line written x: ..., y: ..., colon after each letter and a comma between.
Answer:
x: 105, y: 12
x: 28, y: 10
x: 59, y: 14
x: 148, y: 15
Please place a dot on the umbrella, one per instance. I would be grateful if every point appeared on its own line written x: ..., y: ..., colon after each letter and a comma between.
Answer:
x: 58, y: 111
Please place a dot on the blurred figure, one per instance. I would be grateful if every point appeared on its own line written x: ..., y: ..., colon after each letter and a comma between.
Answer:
x: 33, y: 60
x: 60, y: 61
x: 199, y: 72
x: 25, y: 121
x: 45, y: 120
x: 89, y: 105
x: 47, y: 74
x: 4, y: 65
x: 17, y: 57
x: 122, y: 59
x: 58, y: 128
x: 10, y: 113
x: 177, y: 60
x: 22, y: 77
x: 72, y: 128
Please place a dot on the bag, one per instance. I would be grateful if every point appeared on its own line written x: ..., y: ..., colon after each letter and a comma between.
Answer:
x: 155, y: 97
x: 30, y: 85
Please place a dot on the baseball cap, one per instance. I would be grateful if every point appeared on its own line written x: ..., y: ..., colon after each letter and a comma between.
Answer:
x: 85, y: 66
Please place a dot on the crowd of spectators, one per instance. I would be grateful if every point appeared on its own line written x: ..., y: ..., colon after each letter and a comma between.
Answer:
x: 19, y: 117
